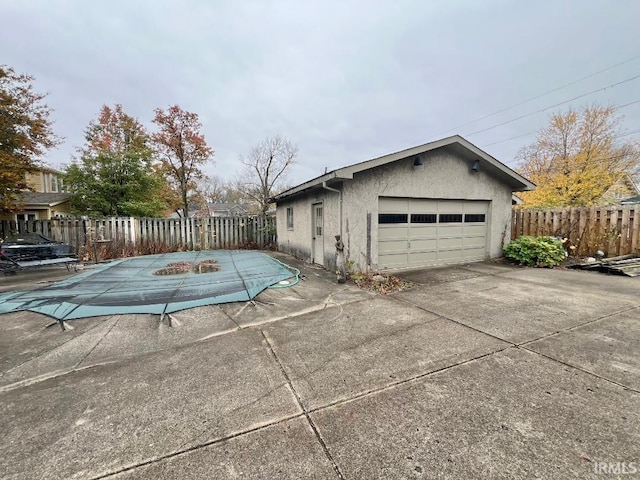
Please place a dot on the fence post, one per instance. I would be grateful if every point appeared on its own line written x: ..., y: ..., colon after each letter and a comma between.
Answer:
x: 634, y: 218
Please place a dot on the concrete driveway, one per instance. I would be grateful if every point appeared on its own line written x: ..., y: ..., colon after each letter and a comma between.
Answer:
x: 480, y: 371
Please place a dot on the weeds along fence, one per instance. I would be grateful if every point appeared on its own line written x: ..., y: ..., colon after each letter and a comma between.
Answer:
x: 614, y: 230
x: 127, y: 236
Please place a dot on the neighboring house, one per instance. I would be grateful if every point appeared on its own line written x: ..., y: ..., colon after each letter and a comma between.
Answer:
x: 48, y: 198
x: 194, y: 208
x: 225, y: 210
x: 443, y: 202
x: 631, y: 201
x: 621, y: 189
x: 216, y: 210
x: 516, y: 200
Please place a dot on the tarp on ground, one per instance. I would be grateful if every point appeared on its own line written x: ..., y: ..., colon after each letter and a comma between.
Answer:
x: 134, y: 285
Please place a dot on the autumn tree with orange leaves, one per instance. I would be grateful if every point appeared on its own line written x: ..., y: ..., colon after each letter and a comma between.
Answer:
x: 181, y: 150
x: 25, y: 134
x: 114, y: 175
x: 577, y: 158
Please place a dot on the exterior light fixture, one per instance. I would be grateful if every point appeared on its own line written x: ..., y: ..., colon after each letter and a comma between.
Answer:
x: 476, y: 166
x: 417, y: 161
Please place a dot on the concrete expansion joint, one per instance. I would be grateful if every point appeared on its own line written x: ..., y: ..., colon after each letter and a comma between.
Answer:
x: 424, y: 309
x: 45, y: 352
x: 184, y: 451
x: 312, y: 425
x: 96, y: 345
x: 413, y: 379
x: 303, y: 413
x: 523, y: 346
x: 232, y: 317
x: 575, y: 327
x: 580, y: 369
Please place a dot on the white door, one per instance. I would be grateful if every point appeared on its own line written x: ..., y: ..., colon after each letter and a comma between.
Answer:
x: 414, y: 232
x: 317, y: 230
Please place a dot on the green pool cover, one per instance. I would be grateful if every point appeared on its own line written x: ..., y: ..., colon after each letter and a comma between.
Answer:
x: 148, y: 285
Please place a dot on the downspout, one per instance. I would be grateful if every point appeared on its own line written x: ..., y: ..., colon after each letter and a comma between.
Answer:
x: 331, y: 189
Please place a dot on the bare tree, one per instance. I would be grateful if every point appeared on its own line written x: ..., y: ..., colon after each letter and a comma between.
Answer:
x: 211, y: 188
x: 265, y: 169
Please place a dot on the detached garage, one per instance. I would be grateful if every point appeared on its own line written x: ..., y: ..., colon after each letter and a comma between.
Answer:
x: 440, y: 203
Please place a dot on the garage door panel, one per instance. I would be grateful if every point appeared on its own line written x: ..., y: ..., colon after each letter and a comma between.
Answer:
x: 449, y: 243
x: 474, y: 242
x: 449, y: 231
x: 475, y: 207
x: 436, y: 232
x: 393, y: 205
x: 424, y: 244
x: 394, y: 246
x: 450, y: 206
x: 423, y: 257
x: 388, y: 260
x: 455, y: 254
x: 423, y: 204
x: 474, y: 253
x: 475, y: 230
x: 423, y: 232
x: 393, y: 233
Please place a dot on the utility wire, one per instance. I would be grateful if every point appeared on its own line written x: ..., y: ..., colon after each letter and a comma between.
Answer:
x: 626, y: 80
x: 540, y: 95
x: 592, y: 160
x: 536, y: 131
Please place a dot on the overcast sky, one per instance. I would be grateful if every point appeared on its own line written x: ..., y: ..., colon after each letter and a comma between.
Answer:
x: 344, y: 80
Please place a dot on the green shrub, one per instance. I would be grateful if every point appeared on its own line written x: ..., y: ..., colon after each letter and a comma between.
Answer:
x: 536, y: 251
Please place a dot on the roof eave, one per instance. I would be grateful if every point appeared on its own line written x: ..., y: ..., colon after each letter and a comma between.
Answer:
x: 518, y: 182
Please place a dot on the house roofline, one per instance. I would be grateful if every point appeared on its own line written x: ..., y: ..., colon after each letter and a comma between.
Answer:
x: 347, y: 173
x: 34, y: 204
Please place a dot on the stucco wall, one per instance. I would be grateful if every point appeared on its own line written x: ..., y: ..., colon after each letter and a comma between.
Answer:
x: 443, y: 175
x: 297, y: 241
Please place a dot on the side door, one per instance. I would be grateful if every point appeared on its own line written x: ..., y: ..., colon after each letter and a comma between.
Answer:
x: 317, y: 231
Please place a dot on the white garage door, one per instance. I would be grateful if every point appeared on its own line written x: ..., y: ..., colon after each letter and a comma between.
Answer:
x: 416, y: 232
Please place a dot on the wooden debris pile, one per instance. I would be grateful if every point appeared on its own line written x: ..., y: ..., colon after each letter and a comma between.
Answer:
x: 628, y: 265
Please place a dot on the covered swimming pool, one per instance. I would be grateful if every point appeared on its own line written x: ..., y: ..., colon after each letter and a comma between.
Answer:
x: 157, y: 284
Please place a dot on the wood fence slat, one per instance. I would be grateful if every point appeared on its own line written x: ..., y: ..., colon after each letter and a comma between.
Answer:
x: 634, y: 218
x: 615, y: 230
x: 202, y: 233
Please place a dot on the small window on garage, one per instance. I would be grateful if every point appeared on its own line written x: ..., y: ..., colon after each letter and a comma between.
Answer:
x: 289, y: 218
x: 424, y: 218
x: 450, y: 218
x: 393, y: 218
x: 474, y: 217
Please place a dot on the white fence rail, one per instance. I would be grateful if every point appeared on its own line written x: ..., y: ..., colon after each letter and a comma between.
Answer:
x: 184, y: 233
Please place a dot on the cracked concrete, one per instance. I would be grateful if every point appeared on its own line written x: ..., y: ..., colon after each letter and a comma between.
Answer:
x: 481, y: 370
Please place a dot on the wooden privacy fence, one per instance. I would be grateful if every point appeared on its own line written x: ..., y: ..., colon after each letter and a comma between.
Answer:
x: 614, y: 230
x: 185, y: 234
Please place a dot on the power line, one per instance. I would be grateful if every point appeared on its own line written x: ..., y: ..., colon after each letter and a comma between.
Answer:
x: 540, y: 95
x: 626, y: 134
x: 626, y: 80
x: 536, y: 131
x: 509, y: 139
x: 596, y: 160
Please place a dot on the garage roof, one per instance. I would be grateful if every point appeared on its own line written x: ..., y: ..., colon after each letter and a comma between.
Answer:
x: 461, y: 146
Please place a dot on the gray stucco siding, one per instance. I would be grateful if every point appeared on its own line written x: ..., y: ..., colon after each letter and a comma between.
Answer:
x: 443, y: 175
x: 298, y: 240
